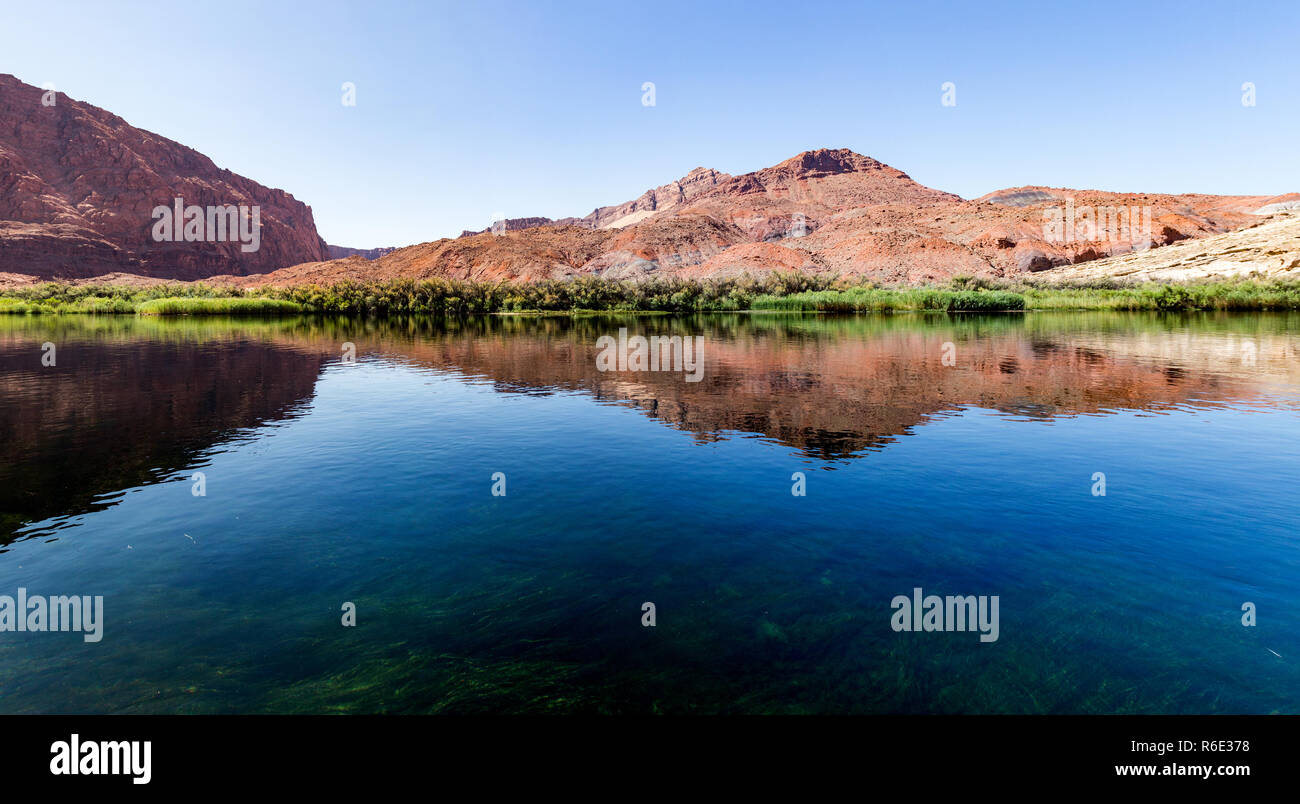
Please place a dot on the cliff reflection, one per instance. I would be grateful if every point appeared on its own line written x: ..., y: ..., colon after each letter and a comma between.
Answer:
x: 132, y: 401
x: 834, y: 387
x: 126, y: 405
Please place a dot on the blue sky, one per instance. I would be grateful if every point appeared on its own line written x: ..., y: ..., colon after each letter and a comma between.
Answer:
x: 467, y: 110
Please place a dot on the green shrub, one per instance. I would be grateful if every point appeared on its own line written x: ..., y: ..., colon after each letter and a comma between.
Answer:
x: 1174, y: 297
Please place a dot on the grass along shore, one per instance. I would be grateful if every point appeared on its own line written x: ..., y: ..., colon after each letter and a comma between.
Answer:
x: 223, y: 305
x: 779, y: 292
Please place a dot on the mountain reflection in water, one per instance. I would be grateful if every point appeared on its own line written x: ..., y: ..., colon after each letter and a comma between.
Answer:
x: 959, y: 454
x: 131, y: 401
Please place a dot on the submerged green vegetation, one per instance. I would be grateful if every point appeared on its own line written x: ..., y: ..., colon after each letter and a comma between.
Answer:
x: 776, y: 292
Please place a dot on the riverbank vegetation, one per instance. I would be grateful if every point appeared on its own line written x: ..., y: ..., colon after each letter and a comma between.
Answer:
x: 776, y: 292
x: 249, y: 305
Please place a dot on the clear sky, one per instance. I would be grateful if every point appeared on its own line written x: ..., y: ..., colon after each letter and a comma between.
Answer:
x: 466, y: 110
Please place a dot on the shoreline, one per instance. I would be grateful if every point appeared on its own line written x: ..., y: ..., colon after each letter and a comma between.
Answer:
x: 774, y: 293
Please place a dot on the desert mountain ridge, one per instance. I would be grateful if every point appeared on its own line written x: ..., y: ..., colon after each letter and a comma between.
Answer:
x: 79, y: 186
x: 824, y: 210
x: 342, y: 252
x: 695, y: 183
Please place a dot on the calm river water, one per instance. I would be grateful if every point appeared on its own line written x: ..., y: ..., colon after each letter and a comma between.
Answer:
x: 961, y: 455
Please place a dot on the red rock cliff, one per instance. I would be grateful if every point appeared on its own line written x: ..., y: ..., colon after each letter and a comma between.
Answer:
x: 78, y: 185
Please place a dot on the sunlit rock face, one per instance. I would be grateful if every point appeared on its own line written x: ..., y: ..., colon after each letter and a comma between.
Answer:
x: 78, y: 186
x: 822, y: 211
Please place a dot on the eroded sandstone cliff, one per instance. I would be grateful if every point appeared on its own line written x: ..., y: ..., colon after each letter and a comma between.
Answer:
x: 78, y: 185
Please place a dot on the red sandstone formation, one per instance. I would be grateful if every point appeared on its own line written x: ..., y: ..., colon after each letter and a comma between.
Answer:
x: 78, y: 185
x: 830, y: 211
